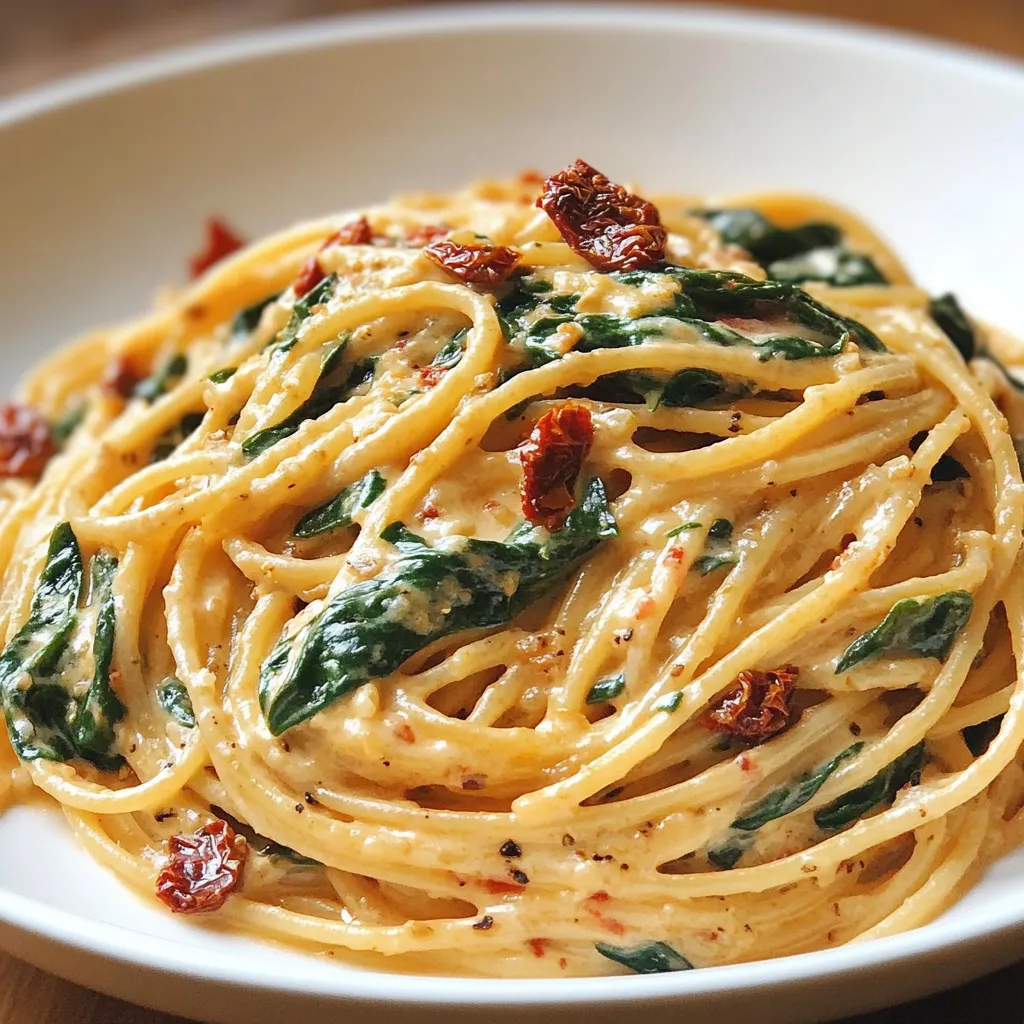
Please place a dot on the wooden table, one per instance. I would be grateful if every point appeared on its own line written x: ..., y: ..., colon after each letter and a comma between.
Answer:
x: 44, y: 38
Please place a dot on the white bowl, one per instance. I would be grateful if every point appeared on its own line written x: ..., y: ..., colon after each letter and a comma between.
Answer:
x: 107, y: 178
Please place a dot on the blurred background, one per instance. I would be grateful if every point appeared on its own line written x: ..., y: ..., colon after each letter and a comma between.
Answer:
x: 40, y: 39
x: 44, y: 39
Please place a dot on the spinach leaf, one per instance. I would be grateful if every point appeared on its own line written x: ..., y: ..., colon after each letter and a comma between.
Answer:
x: 322, y: 399
x: 682, y: 528
x: 300, y: 312
x: 689, y: 388
x: 162, y: 379
x: 1015, y: 382
x: 338, y: 512
x: 978, y: 737
x: 926, y: 628
x: 617, y: 387
x: 261, y: 844
x: 37, y: 714
x: 707, y: 564
x: 807, y: 252
x: 718, y: 293
x: 720, y: 529
x: 947, y: 468
x: 362, y: 373
x: 727, y: 854
x: 670, y: 702
x: 370, y: 629
x: 767, y: 243
x: 693, y: 387
x: 101, y: 709
x: 836, y: 266
x: 646, y: 958
x: 402, y: 537
x: 882, y: 788
x: 223, y: 374
x: 529, y: 320
x: 718, y: 532
x: 784, y: 800
x: 43, y: 719
x: 947, y: 312
x: 247, y: 320
x: 450, y: 354
x: 529, y: 298
x: 605, y: 330
x: 606, y: 689
x: 66, y: 424
x: 174, y: 699
x: 170, y: 440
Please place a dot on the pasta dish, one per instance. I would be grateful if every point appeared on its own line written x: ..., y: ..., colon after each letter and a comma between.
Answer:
x: 538, y: 580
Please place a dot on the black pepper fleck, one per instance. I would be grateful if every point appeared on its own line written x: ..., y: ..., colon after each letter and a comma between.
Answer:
x: 519, y: 876
x: 483, y: 924
x: 510, y: 848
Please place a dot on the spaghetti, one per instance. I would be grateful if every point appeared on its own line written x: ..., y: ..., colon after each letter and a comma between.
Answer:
x: 538, y: 580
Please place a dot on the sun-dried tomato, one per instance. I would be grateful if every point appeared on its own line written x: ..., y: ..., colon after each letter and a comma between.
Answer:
x: 356, y: 232
x: 203, y: 869
x: 26, y: 443
x: 310, y: 275
x: 120, y: 377
x: 424, y: 234
x: 476, y: 263
x: 431, y: 376
x: 755, y: 707
x: 551, y: 460
x: 612, y: 229
x: 221, y: 241
x: 404, y: 733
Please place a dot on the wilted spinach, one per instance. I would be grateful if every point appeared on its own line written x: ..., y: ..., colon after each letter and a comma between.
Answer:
x: 812, y: 251
x: 324, y: 396
x: 925, y: 627
x: 162, y: 379
x: 779, y: 802
x: 300, y: 312
x: 338, y: 512
x: 361, y: 634
x: 247, y: 320
x: 273, y: 851
x: 881, y: 789
x: 43, y: 719
x: 606, y: 689
x: 646, y: 958
x: 174, y: 699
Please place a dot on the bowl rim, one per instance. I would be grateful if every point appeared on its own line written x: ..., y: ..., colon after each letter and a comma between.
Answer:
x: 120, y: 944
x: 446, y: 17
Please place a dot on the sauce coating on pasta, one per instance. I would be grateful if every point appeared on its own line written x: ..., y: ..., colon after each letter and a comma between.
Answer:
x: 543, y: 579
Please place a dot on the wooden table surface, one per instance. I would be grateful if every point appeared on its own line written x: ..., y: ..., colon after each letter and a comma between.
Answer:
x: 45, y: 38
